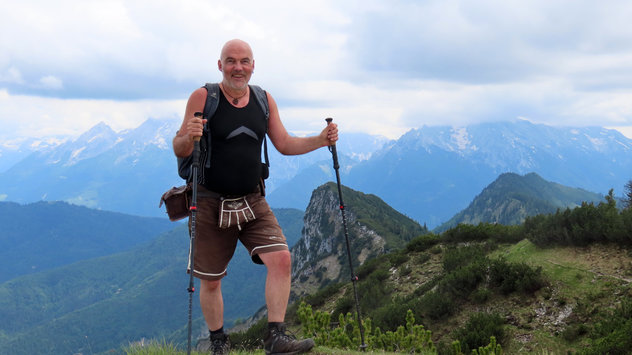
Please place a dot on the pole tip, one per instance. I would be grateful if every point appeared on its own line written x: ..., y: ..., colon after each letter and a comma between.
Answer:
x: 329, y: 119
x: 198, y: 114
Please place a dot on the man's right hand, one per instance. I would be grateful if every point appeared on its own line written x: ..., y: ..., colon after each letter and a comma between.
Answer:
x: 195, y: 127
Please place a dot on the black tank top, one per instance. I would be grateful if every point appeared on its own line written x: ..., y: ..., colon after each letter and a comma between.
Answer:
x: 237, y: 135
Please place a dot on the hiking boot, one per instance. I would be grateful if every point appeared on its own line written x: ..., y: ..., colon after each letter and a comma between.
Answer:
x: 220, y: 344
x: 279, y: 343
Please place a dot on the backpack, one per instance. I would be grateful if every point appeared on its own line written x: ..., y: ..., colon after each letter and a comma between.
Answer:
x: 212, y: 101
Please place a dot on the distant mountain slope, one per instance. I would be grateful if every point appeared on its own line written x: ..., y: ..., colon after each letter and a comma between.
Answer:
x: 125, y: 172
x: 511, y: 198
x: 100, y: 303
x: 12, y: 151
x: 104, y: 303
x: 44, y: 235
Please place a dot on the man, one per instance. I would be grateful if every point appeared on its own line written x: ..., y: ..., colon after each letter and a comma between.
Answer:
x: 237, y: 129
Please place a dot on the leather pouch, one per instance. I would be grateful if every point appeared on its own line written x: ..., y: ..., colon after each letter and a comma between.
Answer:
x: 177, y: 202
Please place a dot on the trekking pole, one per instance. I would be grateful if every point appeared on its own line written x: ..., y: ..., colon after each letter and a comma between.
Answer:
x: 193, y: 209
x: 354, y: 278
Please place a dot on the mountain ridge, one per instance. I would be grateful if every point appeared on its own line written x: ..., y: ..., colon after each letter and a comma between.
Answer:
x: 439, y: 166
x: 511, y: 198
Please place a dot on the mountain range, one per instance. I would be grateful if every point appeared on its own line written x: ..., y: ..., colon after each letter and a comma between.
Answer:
x: 432, y: 173
x: 429, y: 174
x: 127, y: 171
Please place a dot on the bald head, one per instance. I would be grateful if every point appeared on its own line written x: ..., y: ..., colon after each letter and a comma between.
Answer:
x: 235, y: 45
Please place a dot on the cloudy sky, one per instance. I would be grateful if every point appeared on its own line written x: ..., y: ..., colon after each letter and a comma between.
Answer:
x: 380, y: 67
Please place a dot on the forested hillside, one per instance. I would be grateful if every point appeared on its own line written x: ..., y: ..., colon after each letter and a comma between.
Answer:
x: 43, y: 235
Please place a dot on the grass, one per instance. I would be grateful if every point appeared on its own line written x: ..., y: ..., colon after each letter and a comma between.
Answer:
x: 156, y: 348
x: 586, y: 280
x: 573, y: 267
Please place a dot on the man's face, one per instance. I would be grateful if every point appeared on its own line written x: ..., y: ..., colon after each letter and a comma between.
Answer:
x: 236, y: 65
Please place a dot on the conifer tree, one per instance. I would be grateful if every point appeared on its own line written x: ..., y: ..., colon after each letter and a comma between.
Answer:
x: 627, y: 199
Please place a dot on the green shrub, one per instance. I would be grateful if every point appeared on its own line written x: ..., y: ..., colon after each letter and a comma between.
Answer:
x: 344, y: 304
x: 410, y: 338
x: 481, y: 295
x: 574, y: 331
x: 422, y: 289
x: 460, y: 283
x: 582, y: 226
x: 398, y: 258
x: 510, y: 277
x: 423, y: 242
x: 390, y: 317
x: 421, y: 258
x: 436, y: 306
x: 478, y: 330
x: 484, y: 232
x: 320, y: 297
x: 371, y: 265
x: 456, y: 257
x: 612, y: 335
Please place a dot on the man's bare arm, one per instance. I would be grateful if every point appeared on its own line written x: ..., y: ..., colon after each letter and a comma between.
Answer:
x: 191, y: 126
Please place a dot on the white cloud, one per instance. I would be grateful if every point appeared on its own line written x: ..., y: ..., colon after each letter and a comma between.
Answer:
x: 51, y: 82
x: 378, y: 67
x: 70, y: 117
x: 11, y: 75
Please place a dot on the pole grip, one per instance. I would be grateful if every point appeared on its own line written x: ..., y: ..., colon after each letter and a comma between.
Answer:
x: 332, y: 148
x: 196, y: 145
x: 197, y: 114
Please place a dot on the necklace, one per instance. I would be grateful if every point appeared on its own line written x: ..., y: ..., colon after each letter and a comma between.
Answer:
x: 235, y: 99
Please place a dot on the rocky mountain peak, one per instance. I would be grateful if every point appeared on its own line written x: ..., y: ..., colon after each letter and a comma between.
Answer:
x: 320, y: 255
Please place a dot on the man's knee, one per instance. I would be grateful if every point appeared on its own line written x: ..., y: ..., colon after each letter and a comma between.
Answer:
x: 210, y: 285
x: 278, y: 260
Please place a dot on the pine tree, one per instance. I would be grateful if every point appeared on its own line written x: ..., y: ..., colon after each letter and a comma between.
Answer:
x: 627, y: 199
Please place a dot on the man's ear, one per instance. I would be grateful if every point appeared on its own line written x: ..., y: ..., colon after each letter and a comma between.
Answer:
x: 219, y: 64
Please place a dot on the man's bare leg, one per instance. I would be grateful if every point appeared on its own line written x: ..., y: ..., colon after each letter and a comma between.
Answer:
x: 212, y: 303
x: 278, y: 282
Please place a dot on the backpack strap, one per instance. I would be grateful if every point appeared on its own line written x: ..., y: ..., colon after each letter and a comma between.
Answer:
x: 262, y: 100
x: 212, y: 101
